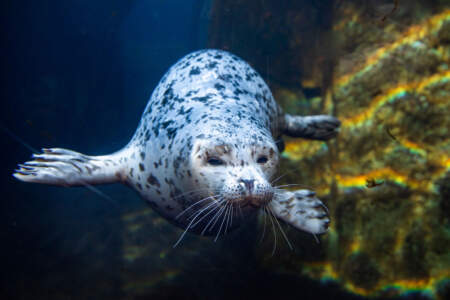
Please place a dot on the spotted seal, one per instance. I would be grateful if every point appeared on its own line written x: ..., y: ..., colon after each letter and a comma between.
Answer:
x: 205, y: 152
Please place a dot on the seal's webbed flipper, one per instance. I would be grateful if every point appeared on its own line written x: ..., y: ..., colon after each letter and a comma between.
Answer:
x: 64, y: 167
x: 301, y: 209
x: 320, y: 127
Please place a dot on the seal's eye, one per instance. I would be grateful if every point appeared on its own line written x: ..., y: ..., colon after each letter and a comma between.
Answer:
x: 262, y: 160
x: 214, y: 161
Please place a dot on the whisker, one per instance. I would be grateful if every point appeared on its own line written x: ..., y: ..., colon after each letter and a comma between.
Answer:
x: 190, y: 192
x: 232, y: 210
x: 228, y: 219
x: 212, y: 209
x: 264, y: 229
x: 212, y: 219
x: 316, y: 238
x: 100, y: 193
x: 220, y: 229
x: 190, y: 223
x: 199, y: 201
x: 281, y: 229
x: 197, y: 213
x: 18, y: 139
x: 278, y: 178
x: 287, y: 173
x: 227, y: 216
x: 274, y: 233
x: 240, y: 211
x: 324, y: 207
x: 286, y: 185
x: 217, y: 218
x: 295, y: 184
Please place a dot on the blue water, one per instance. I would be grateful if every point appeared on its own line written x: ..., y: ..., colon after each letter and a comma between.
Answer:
x: 77, y: 74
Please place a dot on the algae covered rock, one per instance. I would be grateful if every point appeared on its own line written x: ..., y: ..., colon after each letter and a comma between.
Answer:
x: 385, y: 75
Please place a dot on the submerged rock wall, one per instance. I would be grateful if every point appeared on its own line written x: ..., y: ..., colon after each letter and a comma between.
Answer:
x: 381, y: 67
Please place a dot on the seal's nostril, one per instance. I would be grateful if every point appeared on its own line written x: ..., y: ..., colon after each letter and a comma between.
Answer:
x: 249, y: 184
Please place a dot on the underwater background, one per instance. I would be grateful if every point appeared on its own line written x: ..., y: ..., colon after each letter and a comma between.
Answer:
x: 78, y: 74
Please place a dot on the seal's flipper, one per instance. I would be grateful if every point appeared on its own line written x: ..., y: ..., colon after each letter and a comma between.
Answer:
x: 302, y: 210
x: 64, y: 167
x: 320, y: 127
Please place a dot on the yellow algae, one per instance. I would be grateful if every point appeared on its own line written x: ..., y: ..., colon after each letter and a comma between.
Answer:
x: 297, y: 149
x: 375, y: 104
x: 438, y: 78
x: 354, y: 19
x: 391, y: 95
x: 415, y: 164
x: 413, y: 34
x: 355, y: 245
x: 382, y: 173
x: 356, y: 290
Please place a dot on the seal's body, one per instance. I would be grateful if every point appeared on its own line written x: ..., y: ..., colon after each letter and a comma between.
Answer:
x: 204, y: 152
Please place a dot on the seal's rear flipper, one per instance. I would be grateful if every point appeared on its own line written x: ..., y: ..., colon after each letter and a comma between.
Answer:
x: 301, y: 209
x: 64, y: 167
x: 320, y: 127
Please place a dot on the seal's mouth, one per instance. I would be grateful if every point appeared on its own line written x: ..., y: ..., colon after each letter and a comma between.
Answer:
x: 255, y: 201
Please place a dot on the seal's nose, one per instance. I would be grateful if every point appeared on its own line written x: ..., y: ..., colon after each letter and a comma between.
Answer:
x: 249, y: 184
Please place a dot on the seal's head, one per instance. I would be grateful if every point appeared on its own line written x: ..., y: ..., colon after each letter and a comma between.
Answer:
x: 236, y: 173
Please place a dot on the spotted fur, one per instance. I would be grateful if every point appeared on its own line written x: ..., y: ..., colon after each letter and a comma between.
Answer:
x: 212, y: 96
x: 209, y: 105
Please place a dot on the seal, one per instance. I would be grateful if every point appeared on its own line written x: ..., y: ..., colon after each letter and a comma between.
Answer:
x: 205, y: 152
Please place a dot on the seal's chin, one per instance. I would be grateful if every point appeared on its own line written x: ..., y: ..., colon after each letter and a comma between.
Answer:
x: 255, y: 201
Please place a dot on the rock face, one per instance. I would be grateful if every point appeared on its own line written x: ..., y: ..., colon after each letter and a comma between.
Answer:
x: 383, y: 68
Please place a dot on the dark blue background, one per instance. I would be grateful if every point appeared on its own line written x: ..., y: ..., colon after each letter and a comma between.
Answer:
x: 77, y: 74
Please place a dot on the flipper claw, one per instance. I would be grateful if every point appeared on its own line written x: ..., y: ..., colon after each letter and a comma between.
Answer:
x: 302, y: 209
x: 65, y: 167
x: 319, y: 127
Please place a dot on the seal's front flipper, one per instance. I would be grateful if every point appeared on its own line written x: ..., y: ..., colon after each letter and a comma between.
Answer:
x: 320, y: 127
x: 64, y: 167
x: 302, y: 210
